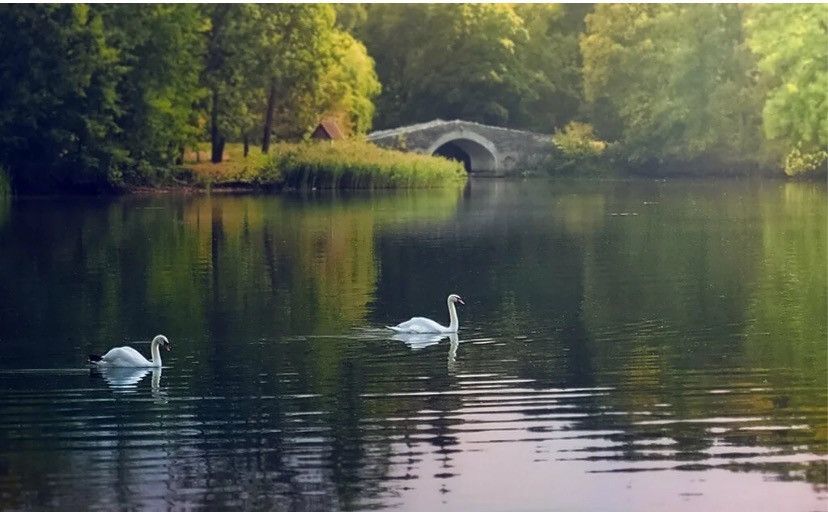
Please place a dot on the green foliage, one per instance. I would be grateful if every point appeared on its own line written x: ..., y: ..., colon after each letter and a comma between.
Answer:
x: 357, y: 165
x: 792, y: 44
x: 673, y: 82
x: 106, y: 96
x: 551, y: 59
x: 491, y: 63
x: 58, y: 97
x: 799, y: 163
x: 350, y: 85
x: 578, y: 139
x: 337, y: 164
x: 160, y: 48
x: 232, y: 72
x: 577, y: 150
x: 99, y: 96
x: 298, y: 50
x: 111, y: 95
x: 280, y: 68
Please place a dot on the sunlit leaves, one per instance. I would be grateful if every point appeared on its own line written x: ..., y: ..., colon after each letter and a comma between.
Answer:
x: 350, y: 84
x: 792, y: 44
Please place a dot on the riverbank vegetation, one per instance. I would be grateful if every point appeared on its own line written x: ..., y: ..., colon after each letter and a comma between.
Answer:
x: 706, y: 89
x: 102, y: 97
x: 335, y: 164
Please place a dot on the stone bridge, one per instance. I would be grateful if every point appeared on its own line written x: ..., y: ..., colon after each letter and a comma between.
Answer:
x: 483, y: 149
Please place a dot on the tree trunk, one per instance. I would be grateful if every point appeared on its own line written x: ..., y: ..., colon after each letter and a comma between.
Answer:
x: 268, y: 124
x: 246, y: 144
x: 218, y: 150
x: 216, y: 140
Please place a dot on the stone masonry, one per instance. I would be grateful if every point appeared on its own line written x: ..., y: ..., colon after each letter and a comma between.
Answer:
x: 491, y: 150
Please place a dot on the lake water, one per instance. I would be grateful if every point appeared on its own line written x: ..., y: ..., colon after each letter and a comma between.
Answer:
x: 624, y: 346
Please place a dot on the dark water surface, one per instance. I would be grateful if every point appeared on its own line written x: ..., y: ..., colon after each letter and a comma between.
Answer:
x: 625, y: 346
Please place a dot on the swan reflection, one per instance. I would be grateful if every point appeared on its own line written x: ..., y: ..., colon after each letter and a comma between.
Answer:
x: 454, y: 342
x: 125, y: 380
x: 418, y: 341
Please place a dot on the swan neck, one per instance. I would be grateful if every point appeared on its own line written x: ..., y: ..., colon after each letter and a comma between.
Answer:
x: 156, y: 354
x: 454, y: 323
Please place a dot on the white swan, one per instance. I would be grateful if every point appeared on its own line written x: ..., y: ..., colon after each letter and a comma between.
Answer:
x: 420, y: 325
x: 128, y: 357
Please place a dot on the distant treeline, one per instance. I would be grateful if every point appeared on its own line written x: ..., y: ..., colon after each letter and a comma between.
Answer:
x: 110, y: 95
x: 712, y: 87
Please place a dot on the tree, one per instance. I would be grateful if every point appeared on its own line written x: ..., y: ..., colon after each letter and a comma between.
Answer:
x: 674, y: 83
x: 792, y: 44
x: 456, y: 61
x: 297, y: 49
x: 515, y: 66
x: 58, y: 97
x: 350, y: 84
x: 279, y: 68
x: 552, y: 60
x: 160, y: 49
x: 232, y: 72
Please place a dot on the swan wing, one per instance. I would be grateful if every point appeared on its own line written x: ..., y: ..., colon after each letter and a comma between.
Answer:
x: 419, y: 325
x: 126, y: 357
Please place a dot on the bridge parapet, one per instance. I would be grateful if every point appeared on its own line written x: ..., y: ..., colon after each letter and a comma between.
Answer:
x: 484, y: 149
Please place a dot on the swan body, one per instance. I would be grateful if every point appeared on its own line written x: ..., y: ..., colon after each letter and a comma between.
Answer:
x: 128, y: 357
x: 421, y: 325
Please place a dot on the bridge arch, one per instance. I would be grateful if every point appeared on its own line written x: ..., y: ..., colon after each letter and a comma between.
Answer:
x: 477, y: 153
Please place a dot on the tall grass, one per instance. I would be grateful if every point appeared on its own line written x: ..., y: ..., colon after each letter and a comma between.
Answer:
x: 359, y: 165
x: 234, y: 168
x: 328, y: 165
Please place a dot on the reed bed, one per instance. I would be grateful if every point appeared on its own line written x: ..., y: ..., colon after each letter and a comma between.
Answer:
x: 358, y: 165
x: 327, y: 165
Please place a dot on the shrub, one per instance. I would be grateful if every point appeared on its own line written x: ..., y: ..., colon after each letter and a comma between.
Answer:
x: 798, y: 163
x: 578, y: 150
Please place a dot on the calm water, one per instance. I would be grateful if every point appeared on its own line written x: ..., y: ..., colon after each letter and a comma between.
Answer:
x: 625, y: 346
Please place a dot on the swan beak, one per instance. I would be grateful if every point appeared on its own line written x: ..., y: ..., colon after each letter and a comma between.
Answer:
x: 167, y: 347
x: 461, y: 301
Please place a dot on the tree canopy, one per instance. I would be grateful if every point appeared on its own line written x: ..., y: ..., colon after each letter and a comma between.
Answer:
x: 106, y: 95
x: 97, y: 96
x: 672, y: 83
x: 493, y: 63
x: 791, y: 42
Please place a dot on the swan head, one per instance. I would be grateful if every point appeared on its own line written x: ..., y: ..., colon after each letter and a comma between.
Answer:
x: 162, y: 341
x: 455, y: 298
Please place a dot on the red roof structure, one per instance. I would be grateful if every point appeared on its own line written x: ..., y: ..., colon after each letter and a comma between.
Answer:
x: 327, y: 130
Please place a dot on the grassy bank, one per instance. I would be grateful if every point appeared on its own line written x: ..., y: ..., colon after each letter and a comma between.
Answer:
x: 340, y: 164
